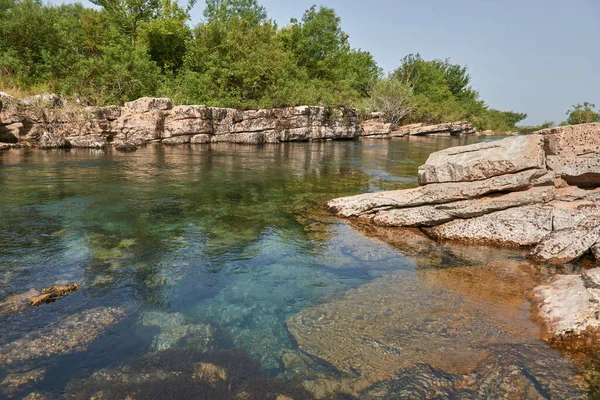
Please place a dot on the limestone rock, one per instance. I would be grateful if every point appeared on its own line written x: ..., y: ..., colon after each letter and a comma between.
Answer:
x: 577, y: 170
x: 175, y: 140
x: 573, y: 140
x: 140, y: 125
x: 240, y: 138
x: 567, y: 307
x: 125, y: 147
x: 200, y: 139
x: 596, y: 251
x: 439, y: 214
x: 149, y: 104
x: 355, y: 206
x: 88, y: 142
x: 566, y: 245
x: 446, y: 128
x: 376, y: 127
x: 54, y: 293
x: 53, y: 141
x: 519, y: 226
x: 484, y: 160
x: 189, y: 120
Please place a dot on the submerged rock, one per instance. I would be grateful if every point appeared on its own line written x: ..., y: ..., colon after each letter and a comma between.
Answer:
x: 125, y: 147
x: 177, y: 331
x: 17, y: 302
x: 568, y: 305
x: 18, y: 381
x: 71, y: 334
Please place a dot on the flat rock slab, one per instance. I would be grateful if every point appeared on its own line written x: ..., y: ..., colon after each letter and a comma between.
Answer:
x: 514, y: 227
x: 368, y: 203
x: 442, y: 213
x: 484, y: 160
x: 573, y: 140
x: 566, y: 245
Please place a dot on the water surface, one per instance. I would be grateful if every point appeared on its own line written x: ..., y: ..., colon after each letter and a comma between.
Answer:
x: 224, y: 255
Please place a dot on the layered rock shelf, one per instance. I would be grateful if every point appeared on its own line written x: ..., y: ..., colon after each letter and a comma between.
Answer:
x: 540, y: 191
x: 380, y: 128
x: 46, y: 122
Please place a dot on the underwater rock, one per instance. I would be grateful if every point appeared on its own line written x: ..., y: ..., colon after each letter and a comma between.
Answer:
x: 208, y: 372
x: 568, y: 305
x: 54, y: 293
x: 508, y: 372
x: 70, y: 334
x: 396, y: 322
x: 17, y: 302
x: 16, y: 382
x: 176, y: 330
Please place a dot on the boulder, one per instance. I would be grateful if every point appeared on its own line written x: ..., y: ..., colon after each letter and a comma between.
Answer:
x: 355, y: 206
x: 442, y: 213
x: 240, y: 138
x: 514, y: 227
x: 146, y: 126
x: 200, y: 139
x: 145, y: 104
x: 565, y: 245
x: 484, y: 160
x: 125, y: 147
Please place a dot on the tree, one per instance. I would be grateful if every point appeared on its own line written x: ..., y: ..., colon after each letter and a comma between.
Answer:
x: 582, y: 114
x: 392, y: 98
x: 128, y: 14
x: 224, y: 10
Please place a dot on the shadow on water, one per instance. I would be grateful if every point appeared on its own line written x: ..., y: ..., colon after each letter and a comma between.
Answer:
x: 216, y: 272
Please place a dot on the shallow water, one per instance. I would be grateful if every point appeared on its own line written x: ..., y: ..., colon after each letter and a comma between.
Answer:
x: 225, y: 255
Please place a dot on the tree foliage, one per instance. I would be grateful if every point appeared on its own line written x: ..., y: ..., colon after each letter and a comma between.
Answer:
x: 235, y: 57
x: 582, y: 114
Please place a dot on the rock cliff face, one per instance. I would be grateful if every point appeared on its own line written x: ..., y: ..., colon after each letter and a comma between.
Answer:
x: 379, y: 128
x: 520, y: 191
x: 46, y: 122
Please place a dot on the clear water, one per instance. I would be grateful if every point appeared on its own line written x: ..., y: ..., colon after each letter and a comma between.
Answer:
x: 211, y: 249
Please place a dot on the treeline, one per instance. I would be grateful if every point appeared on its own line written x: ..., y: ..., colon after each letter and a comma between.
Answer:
x: 235, y: 57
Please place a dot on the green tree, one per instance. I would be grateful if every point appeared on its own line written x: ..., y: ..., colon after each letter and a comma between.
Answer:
x: 224, y: 10
x: 128, y: 14
x: 582, y: 114
x: 392, y: 98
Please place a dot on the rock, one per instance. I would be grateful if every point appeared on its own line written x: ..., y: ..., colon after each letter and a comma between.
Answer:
x: 200, y: 139
x: 369, y: 203
x: 145, y: 104
x: 573, y: 140
x: 125, y: 147
x: 240, y: 138
x: 514, y: 227
x: 49, y: 100
x: 88, y: 143
x: 447, y: 128
x: 567, y: 307
x: 17, y: 302
x: 134, y: 125
x: 376, y: 127
x: 54, y: 293
x: 209, y: 372
x: 36, y: 396
x: 53, y: 141
x: 565, y: 245
x: 176, y: 140
x: 442, y: 213
x: 110, y: 113
x: 484, y: 160
x: 596, y: 251
x: 16, y: 382
x: 73, y: 333
x: 189, y: 120
x: 577, y: 170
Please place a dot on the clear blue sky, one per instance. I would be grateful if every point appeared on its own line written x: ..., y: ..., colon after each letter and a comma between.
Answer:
x: 533, y: 56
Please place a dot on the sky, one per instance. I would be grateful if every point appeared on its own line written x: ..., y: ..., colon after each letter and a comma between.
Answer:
x: 534, y: 56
